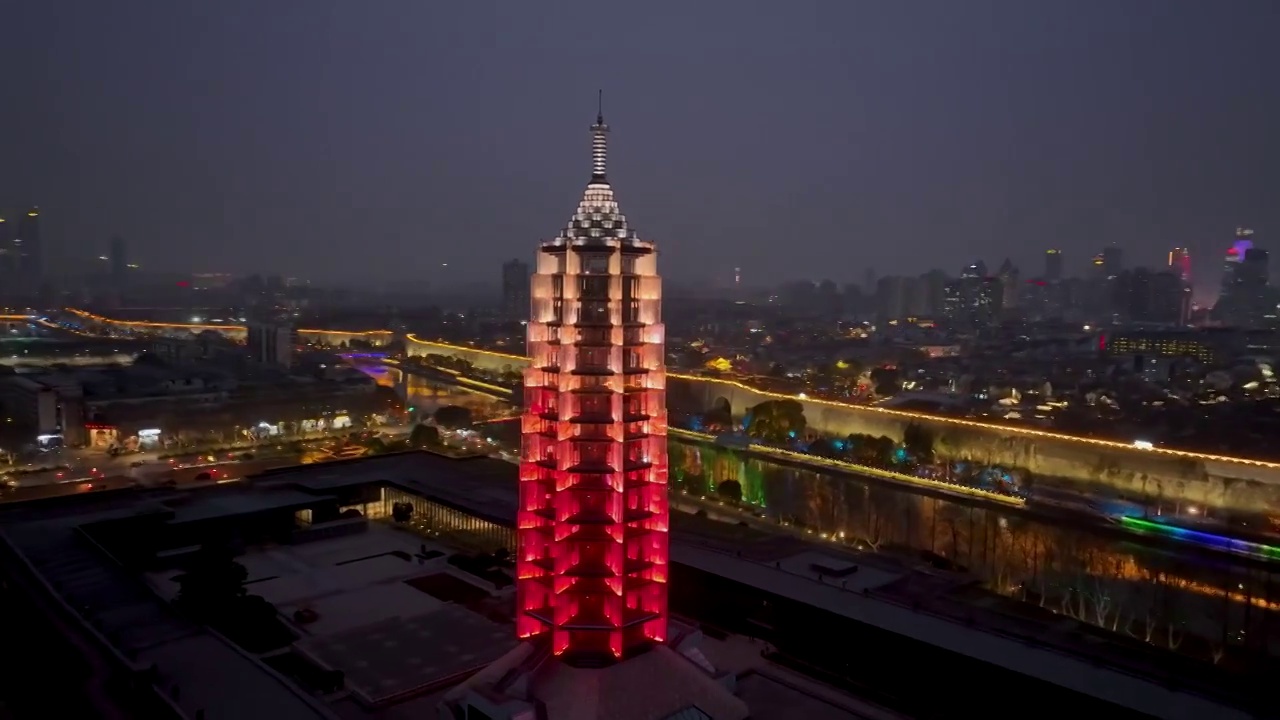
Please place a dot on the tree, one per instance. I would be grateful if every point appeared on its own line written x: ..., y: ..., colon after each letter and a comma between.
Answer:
x: 918, y: 442
x: 822, y: 447
x: 453, y: 416
x: 777, y: 420
x: 424, y: 436
x: 730, y: 490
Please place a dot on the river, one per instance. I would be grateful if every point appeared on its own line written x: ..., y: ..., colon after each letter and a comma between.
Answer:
x: 1208, y: 606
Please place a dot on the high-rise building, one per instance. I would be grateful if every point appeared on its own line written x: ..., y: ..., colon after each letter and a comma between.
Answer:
x: 1180, y: 263
x: 7, y: 253
x: 1142, y: 296
x: 26, y: 247
x: 1245, y: 299
x: 592, y: 562
x: 271, y: 343
x: 1008, y: 275
x: 515, y: 289
x: 119, y: 257
x: 974, y: 300
x: 1112, y: 261
x: 1052, y: 265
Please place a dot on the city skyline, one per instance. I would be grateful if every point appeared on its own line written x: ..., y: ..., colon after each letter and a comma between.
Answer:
x: 1019, y: 130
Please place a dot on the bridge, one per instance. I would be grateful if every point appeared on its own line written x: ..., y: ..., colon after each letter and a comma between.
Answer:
x: 1208, y: 480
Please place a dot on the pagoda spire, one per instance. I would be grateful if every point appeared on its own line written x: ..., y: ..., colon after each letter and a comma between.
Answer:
x: 599, y: 143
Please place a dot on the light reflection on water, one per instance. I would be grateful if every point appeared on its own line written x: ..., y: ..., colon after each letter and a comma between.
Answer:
x: 1172, y: 601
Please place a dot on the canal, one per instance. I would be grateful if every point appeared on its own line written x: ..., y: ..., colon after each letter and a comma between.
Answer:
x: 1209, y: 606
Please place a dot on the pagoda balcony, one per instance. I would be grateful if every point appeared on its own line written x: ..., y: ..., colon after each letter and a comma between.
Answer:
x: 636, y: 515
x: 590, y: 533
x: 593, y: 466
x: 631, y: 566
x: 632, y: 616
x: 595, y: 370
x: 590, y: 621
x: 591, y: 517
x: 544, y: 563
x: 589, y: 570
x: 542, y: 614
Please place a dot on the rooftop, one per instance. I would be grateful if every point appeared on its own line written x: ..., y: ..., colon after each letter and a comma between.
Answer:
x: 386, y: 608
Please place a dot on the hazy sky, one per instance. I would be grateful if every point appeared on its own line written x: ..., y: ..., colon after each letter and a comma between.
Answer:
x: 376, y: 139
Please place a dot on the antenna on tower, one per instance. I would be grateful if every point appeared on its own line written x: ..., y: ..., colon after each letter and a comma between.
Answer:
x: 600, y: 107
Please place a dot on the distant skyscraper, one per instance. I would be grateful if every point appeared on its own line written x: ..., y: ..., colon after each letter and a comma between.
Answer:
x: 7, y: 253
x: 592, y: 556
x: 29, y: 260
x: 1112, y: 261
x: 119, y: 260
x: 975, y: 299
x: 1141, y: 296
x: 1180, y: 263
x: 1008, y: 275
x: 515, y: 289
x: 271, y: 343
x: 1246, y: 298
x: 1053, y: 265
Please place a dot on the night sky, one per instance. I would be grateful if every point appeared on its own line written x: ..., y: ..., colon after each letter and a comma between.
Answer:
x: 367, y: 140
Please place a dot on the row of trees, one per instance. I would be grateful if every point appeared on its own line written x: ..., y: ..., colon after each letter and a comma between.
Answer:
x: 782, y: 422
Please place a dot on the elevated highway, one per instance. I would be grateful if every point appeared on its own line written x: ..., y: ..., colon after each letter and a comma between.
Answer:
x: 1176, y: 476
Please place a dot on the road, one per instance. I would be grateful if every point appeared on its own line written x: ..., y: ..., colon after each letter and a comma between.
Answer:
x: 86, y: 461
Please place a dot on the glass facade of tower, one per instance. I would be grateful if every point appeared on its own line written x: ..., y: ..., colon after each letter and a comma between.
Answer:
x: 593, y: 520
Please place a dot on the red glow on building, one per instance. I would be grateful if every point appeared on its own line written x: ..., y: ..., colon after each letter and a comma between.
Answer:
x: 592, y: 558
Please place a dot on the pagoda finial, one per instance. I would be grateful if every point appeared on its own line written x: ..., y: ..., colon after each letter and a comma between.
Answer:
x: 599, y: 144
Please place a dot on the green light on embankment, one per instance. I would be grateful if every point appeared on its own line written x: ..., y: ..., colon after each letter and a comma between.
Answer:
x: 1201, y: 537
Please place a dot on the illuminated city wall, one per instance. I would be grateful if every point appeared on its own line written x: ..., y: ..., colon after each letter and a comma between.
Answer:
x: 1193, y: 477
x: 330, y: 338
x: 591, y: 558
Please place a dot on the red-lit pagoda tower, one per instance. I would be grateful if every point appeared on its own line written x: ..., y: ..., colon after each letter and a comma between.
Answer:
x: 592, y: 555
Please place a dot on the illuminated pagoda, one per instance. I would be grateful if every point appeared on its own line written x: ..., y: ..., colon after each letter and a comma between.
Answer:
x: 592, y: 556
x: 592, y: 552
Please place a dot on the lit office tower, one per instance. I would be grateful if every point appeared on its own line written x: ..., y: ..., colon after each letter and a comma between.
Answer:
x: 1052, y: 265
x: 592, y: 539
x: 1180, y: 264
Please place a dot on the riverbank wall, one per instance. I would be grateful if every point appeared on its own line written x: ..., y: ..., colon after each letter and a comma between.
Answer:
x: 1084, y: 464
